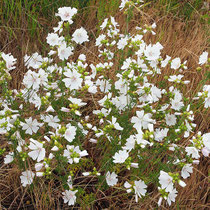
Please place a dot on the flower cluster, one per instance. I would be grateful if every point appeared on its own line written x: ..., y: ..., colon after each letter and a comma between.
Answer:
x: 134, y: 118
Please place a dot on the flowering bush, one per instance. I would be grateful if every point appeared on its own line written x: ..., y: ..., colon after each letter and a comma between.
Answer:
x: 104, y: 124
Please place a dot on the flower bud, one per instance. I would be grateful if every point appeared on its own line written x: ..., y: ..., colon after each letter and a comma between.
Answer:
x: 181, y: 183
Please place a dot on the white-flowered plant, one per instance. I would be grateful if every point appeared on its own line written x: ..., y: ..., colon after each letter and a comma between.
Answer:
x: 111, y: 119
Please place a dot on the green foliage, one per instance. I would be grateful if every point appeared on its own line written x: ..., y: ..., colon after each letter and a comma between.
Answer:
x: 30, y: 15
x: 106, y: 8
x: 183, y: 9
x: 16, y: 14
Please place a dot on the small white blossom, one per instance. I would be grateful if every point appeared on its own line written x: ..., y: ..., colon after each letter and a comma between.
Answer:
x: 193, y: 152
x: 203, y: 58
x: 31, y: 126
x: 142, y: 120
x: 66, y: 13
x: 9, y: 158
x: 111, y: 178
x: 69, y: 197
x: 80, y: 36
x: 38, y: 152
x: 170, y: 119
x: 10, y: 61
x: 176, y: 63
x: 70, y: 133
x: 166, y: 181
x: 34, y: 61
x: 186, y: 170
x: 53, y: 39
x: 64, y: 52
x: 120, y: 156
x: 27, y: 177
x: 73, y: 80
x: 74, y: 154
x: 140, y: 189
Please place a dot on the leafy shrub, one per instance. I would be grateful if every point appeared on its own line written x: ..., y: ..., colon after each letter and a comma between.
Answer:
x: 112, y: 124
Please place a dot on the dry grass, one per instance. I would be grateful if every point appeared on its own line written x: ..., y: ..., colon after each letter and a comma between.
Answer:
x: 180, y: 39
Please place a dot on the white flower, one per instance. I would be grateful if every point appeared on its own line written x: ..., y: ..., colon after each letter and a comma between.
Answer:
x: 140, y: 189
x: 53, y: 39
x: 111, y: 179
x: 165, y: 62
x: 160, y: 134
x: 64, y: 109
x: 181, y: 183
x: 59, y: 28
x: 206, y: 140
x: 166, y: 181
x: 104, y: 85
x: 70, y: 182
x: 73, y: 80
x: 170, y: 119
x: 70, y: 133
x: 50, y: 109
x: 99, y: 39
x: 206, y: 144
x: 10, y: 61
x: 69, y: 197
x: 186, y: 170
x: 116, y: 124
x: 52, y: 121
x: 39, y: 166
x: 43, y: 77
x: 176, y: 63
x: 80, y: 36
x: 176, y: 104
x: 192, y: 151
x: 66, y: 13
x: 175, y: 78
x: 64, y: 52
x: 155, y: 93
x: 31, y: 79
x: 120, y: 156
x: 34, y: 61
x: 74, y: 154
x: 27, y: 178
x: 139, y: 139
x: 122, y: 5
x: 142, y: 120
x: 82, y: 57
x: 205, y: 151
x: 152, y: 52
x: 9, y: 158
x: 121, y: 85
x: 206, y: 91
x: 134, y: 165
x: 171, y: 196
x: 77, y: 101
x: 122, y: 43
x: 128, y: 186
x: 38, y: 150
x: 31, y: 126
x: 130, y: 143
x: 207, y: 101
x: 91, y: 87
x: 203, y: 58
x: 55, y: 148
x: 104, y: 24
x: 36, y: 100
